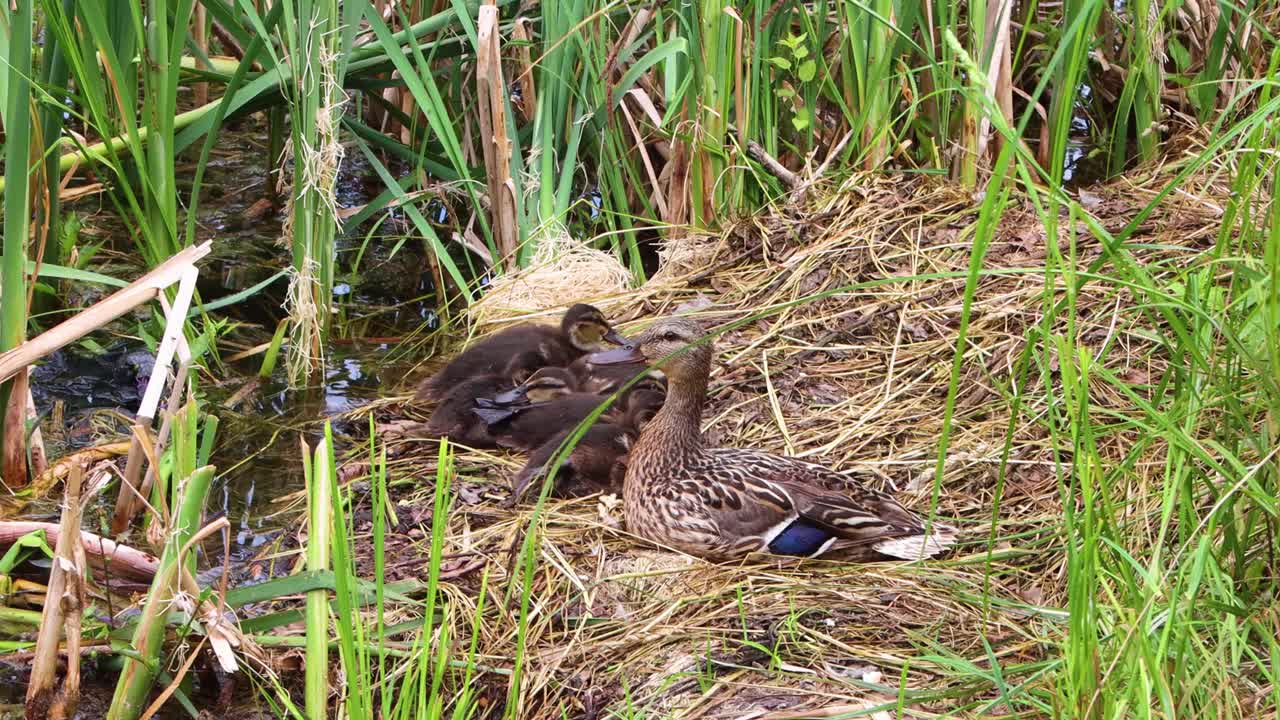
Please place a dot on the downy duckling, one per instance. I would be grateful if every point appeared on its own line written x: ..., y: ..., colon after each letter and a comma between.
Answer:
x: 598, y: 462
x: 605, y: 379
x: 453, y: 417
x: 548, y: 402
x: 583, y: 329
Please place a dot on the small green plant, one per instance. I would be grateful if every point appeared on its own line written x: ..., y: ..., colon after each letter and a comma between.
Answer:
x: 798, y: 70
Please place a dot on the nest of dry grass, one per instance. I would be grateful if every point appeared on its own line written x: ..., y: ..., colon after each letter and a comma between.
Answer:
x: 856, y: 380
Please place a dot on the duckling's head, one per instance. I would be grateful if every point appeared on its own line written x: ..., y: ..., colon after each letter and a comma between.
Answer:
x: 642, y: 406
x: 668, y: 345
x: 588, y: 330
x: 547, y: 384
x: 523, y: 365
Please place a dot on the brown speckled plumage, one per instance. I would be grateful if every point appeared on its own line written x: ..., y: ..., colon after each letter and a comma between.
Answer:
x: 723, y: 503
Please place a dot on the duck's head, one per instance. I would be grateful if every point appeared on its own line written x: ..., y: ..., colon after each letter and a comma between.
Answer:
x: 668, y: 345
x: 588, y: 330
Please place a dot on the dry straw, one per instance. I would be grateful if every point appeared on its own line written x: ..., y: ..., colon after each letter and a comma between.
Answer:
x: 563, y: 271
x: 858, y: 381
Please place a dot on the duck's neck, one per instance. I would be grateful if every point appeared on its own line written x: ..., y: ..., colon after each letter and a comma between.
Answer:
x: 675, y: 433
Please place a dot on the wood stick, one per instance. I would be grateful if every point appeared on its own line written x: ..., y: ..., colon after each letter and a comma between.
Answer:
x: 770, y: 163
x: 119, y: 303
x: 121, y: 560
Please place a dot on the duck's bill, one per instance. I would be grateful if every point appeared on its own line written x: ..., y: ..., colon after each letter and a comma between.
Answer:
x: 624, y: 355
x: 614, y: 337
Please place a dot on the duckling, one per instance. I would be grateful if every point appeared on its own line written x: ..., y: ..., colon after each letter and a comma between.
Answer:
x: 725, y: 503
x: 453, y: 417
x: 548, y: 402
x: 597, y: 462
x: 583, y: 329
x: 605, y: 379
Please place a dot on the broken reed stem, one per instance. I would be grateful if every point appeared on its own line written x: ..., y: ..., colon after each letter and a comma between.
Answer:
x: 119, y: 303
x: 64, y: 603
x: 491, y: 97
x: 132, y: 493
x: 138, y: 676
x: 130, y: 482
x: 13, y: 444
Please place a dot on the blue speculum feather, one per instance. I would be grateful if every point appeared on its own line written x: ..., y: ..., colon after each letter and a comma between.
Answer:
x: 800, y: 538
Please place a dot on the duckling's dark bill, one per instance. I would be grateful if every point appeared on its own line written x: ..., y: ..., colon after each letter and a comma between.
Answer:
x: 513, y: 396
x: 613, y: 337
x: 618, y: 356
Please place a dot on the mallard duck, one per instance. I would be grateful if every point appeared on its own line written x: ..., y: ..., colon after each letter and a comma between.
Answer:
x: 583, y: 329
x: 548, y: 402
x: 724, y: 503
x: 454, y: 415
x: 597, y: 463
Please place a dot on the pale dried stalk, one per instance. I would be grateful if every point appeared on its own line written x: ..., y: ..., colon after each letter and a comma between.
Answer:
x: 173, y: 342
x: 491, y: 94
x: 64, y: 603
x: 200, y: 90
x: 999, y: 74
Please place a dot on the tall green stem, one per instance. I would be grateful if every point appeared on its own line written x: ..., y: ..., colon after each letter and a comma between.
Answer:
x: 17, y: 219
x: 139, y: 675
x: 320, y: 486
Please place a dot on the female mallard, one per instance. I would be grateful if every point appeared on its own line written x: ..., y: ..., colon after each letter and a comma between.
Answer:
x: 724, y: 503
x: 583, y: 329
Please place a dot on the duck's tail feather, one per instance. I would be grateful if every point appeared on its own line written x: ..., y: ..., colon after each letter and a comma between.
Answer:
x: 917, y: 547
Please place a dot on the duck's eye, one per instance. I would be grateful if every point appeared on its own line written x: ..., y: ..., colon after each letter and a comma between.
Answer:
x: 671, y: 337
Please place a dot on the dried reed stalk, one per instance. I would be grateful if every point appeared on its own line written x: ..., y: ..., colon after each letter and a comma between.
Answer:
x: 491, y: 98
x: 13, y: 450
x: 64, y: 603
x: 523, y: 36
x: 132, y: 493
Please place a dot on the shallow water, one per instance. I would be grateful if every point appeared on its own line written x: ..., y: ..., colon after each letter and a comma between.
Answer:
x: 87, y: 393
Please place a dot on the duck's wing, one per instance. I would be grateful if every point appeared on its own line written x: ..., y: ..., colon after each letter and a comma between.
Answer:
x: 494, y: 413
x: 799, y: 508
